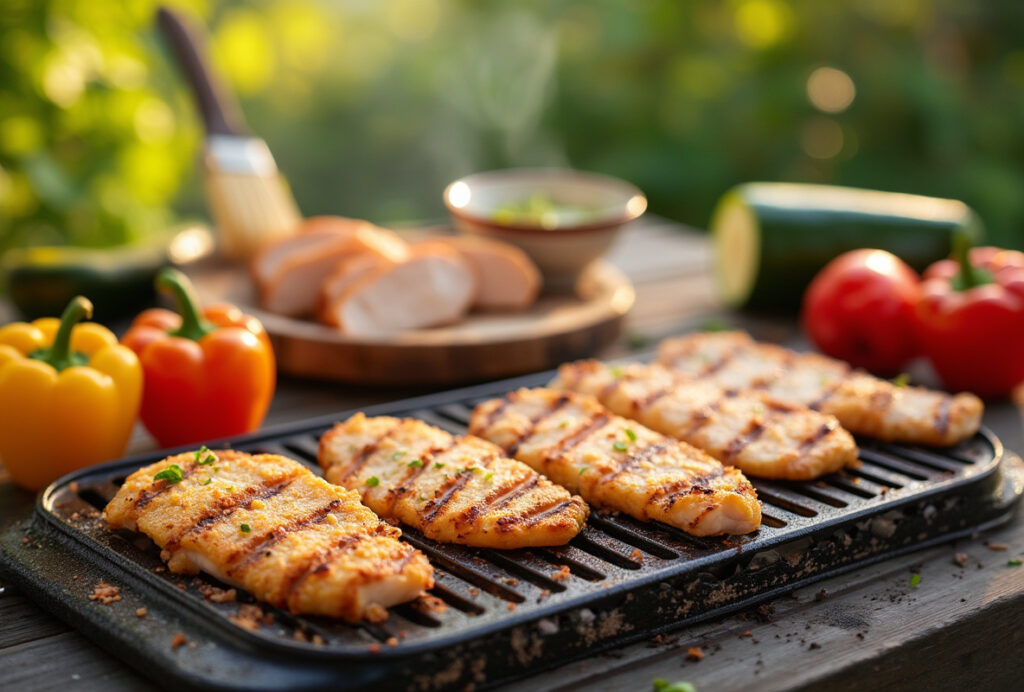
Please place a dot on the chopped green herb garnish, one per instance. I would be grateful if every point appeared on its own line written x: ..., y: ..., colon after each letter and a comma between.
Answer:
x: 204, y: 457
x: 398, y: 455
x: 620, y: 446
x: 582, y: 470
x: 915, y: 579
x: 415, y: 463
x: 373, y: 481
x: 631, y: 435
x: 477, y: 469
x: 714, y: 325
x: 901, y: 380
x: 616, y: 371
x: 637, y: 341
x: 438, y: 465
x: 171, y: 474
x: 489, y: 476
x: 564, y: 423
x: 207, y: 481
x: 661, y: 685
x: 245, y: 528
x: 1013, y: 563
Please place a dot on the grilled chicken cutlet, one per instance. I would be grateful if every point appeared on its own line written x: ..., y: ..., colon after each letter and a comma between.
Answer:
x: 864, y: 405
x: 453, y: 489
x: 270, y: 526
x: 619, y: 464
x: 761, y: 436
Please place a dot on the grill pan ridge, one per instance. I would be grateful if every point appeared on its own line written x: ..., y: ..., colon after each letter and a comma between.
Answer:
x: 495, y: 615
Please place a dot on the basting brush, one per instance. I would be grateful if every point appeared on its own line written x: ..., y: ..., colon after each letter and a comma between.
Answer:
x: 248, y: 198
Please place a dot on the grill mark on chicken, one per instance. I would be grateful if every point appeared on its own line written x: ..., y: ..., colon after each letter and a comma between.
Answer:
x: 736, y: 445
x: 942, y: 416
x: 495, y: 412
x: 703, y: 416
x: 531, y: 427
x: 509, y: 495
x: 669, y: 494
x: 317, y: 562
x: 817, y: 436
x: 575, y: 438
x: 826, y: 394
x: 453, y: 487
x: 653, y: 398
x: 147, y: 495
x: 405, y: 486
x: 700, y: 517
x: 469, y: 515
x: 260, y: 546
x: 634, y: 458
x: 714, y: 367
x: 226, y: 506
x: 364, y: 454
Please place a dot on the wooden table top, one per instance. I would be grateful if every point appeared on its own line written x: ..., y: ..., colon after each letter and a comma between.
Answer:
x: 867, y: 628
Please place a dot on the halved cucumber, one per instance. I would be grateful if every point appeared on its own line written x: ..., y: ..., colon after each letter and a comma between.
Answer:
x: 771, y: 239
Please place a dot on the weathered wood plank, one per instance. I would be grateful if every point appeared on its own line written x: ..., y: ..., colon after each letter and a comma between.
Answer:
x: 22, y: 621
x: 62, y: 661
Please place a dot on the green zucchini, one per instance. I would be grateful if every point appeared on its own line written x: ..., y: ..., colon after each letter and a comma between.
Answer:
x: 118, y: 280
x: 771, y: 239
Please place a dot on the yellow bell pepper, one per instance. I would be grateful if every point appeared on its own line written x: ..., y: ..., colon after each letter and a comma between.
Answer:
x: 69, y: 395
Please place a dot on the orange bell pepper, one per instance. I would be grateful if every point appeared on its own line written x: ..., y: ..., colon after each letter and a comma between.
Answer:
x: 69, y: 394
x: 207, y: 375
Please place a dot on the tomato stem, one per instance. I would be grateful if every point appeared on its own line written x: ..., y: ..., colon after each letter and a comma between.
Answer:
x: 193, y: 325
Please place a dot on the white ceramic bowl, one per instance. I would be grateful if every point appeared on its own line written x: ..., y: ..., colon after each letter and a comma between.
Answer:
x: 563, y: 247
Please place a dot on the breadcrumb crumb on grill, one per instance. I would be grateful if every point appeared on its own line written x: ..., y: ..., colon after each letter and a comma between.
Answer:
x: 141, y: 612
x: 249, y: 617
x: 105, y: 593
x: 375, y: 613
x: 694, y: 653
x: 392, y: 641
x: 636, y: 556
x: 179, y: 640
x: 562, y: 574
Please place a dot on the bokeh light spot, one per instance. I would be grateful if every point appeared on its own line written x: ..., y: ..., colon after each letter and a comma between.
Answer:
x: 821, y: 138
x: 763, y: 23
x: 830, y: 90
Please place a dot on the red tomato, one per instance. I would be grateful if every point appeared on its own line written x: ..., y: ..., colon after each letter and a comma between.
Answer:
x: 860, y: 308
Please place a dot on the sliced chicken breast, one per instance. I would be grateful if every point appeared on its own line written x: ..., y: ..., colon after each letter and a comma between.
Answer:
x: 349, y: 272
x: 616, y: 463
x: 433, y: 287
x: 863, y: 404
x: 507, y: 279
x: 268, y: 525
x: 453, y: 489
x: 760, y: 435
x: 290, y: 273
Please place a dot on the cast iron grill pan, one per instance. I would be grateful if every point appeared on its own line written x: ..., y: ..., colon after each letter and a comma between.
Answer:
x: 494, y: 614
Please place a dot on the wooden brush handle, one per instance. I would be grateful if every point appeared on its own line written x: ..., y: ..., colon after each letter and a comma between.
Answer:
x: 219, y: 110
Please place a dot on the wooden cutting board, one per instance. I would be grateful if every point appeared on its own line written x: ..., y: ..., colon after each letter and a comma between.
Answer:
x: 482, y: 346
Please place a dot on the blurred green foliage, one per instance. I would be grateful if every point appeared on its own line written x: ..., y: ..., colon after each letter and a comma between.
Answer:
x: 372, y: 106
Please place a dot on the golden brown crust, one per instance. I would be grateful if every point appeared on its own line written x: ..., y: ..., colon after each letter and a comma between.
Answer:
x: 863, y: 404
x: 615, y: 463
x: 758, y: 434
x: 268, y: 525
x: 453, y: 489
